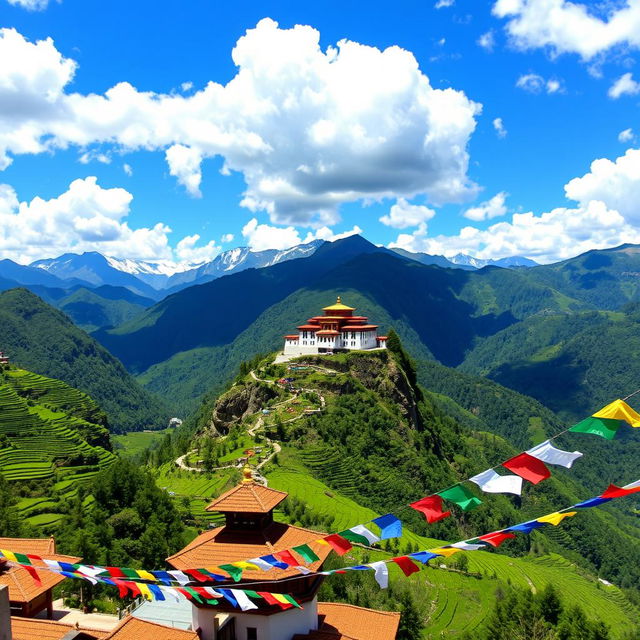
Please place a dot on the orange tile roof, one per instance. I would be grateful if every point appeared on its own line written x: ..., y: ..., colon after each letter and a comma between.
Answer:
x: 221, y: 546
x: 30, y: 628
x: 35, y: 546
x: 346, y: 622
x: 248, y: 497
x: 135, y: 629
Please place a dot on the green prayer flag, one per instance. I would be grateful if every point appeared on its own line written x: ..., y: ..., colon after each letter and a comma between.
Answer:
x: 252, y: 594
x: 212, y: 601
x: 306, y: 552
x: 461, y: 496
x: 234, y: 572
x: 195, y: 594
x: 354, y: 537
x: 22, y: 559
x: 131, y: 573
x: 604, y: 427
x: 291, y: 600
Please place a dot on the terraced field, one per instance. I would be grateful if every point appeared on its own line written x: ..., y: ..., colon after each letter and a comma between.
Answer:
x: 45, y: 434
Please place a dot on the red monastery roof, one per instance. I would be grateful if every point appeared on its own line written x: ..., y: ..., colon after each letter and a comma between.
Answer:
x: 30, y: 628
x: 346, y: 622
x: 359, y: 327
x: 248, y: 497
x: 311, y: 327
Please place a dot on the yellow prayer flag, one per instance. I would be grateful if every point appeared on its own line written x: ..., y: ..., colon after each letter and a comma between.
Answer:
x: 8, y: 555
x: 243, y: 564
x: 322, y: 541
x: 145, y: 575
x: 144, y: 590
x: 619, y: 410
x: 449, y: 551
x: 556, y: 518
x: 280, y: 598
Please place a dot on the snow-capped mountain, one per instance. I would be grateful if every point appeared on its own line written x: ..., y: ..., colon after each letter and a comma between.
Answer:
x: 155, y: 274
x: 511, y: 262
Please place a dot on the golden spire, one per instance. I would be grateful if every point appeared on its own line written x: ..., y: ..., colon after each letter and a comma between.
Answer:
x: 247, y: 474
x: 339, y: 300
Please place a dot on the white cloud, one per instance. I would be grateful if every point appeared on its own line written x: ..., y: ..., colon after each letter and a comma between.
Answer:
x: 606, y: 215
x: 127, y: 169
x: 403, y: 215
x: 227, y: 237
x: 493, y: 208
x: 187, y: 252
x: 91, y: 156
x: 498, y: 125
x: 440, y: 4
x: 487, y: 40
x: 535, y: 83
x: 86, y: 217
x: 186, y: 86
x: 615, y: 183
x: 308, y: 129
x: 626, y: 136
x: 30, y: 5
x: 624, y: 85
x: 570, y: 27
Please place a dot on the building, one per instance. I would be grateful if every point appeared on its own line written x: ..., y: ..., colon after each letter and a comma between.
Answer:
x: 4, y: 359
x: 337, y: 330
x: 249, y: 532
x: 28, y: 599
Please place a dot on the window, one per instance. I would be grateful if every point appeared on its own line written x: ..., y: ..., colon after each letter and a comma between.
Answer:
x: 252, y: 633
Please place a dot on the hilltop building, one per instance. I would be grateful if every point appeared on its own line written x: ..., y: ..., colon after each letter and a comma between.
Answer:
x: 250, y: 531
x: 4, y: 358
x: 337, y: 330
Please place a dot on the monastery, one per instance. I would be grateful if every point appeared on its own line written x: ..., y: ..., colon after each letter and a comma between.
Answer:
x: 337, y: 330
x: 249, y: 531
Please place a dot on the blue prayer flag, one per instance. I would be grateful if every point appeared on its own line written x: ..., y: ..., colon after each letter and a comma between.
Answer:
x: 389, y: 525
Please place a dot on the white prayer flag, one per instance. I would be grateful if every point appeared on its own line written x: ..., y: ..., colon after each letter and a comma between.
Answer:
x: 171, y: 593
x: 265, y: 566
x: 546, y: 452
x: 303, y: 570
x: 181, y: 578
x: 243, y: 600
x: 213, y: 593
x: 361, y: 530
x: 468, y: 546
x: 52, y: 564
x: 382, y: 573
x: 491, y: 482
x: 632, y: 485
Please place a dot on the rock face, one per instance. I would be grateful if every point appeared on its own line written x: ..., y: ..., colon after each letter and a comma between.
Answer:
x: 238, y: 402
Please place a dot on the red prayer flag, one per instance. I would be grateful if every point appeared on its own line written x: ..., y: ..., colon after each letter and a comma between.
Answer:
x: 271, y: 600
x: 528, y: 467
x: 184, y: 592
x: 287, y: 557
x: 114, y: 572
x: 496, y: 538
x: 339, y: 544
x: 408, y: 567
x: 196, y: 575
x: 33, y: 573
x: 123, y: 592
x: 431, y: 506
x: 133, y: 587
x: 614, y: 491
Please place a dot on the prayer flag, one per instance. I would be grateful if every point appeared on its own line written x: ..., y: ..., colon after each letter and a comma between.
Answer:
x: 234, y: 572
x: 526, y: 527
x: 143, y: 575
x: 144, y: 590
x: 467, y: 546
x: 632, y: 485
x: 180, y: 577
x: 8, y: 555
x: 619, y: 410
x: 282, y: 600
x: 162, y: 576
x: 360, y: 534
x: 194, y: 594
x: 431, y: 506
x: 338, y: 544
x: 408, y: 567
x: 133, y: 587
x: 34, y: 574
x: 292, y: 600
x: 496, y: 538
x: 619, y: 492
x: 445, y: 551
x: 381, y: 573
x: 201, y: 591
x: 265, y: 566
x: 274, y: 562
x: 243, y: 600
x: 461, y: 496
x: 306, y: 552
x: 528, y: 467
x: 197, y: 576
x: 227, y: 595
x: 212, y: 592
x: 598, y: 427
x: 423, y: 556
x: 592, y: 502
x: 390, y: 526
x: 122, y: 589
x: 546, y: 452
x: 114, y: 572
x: 556, y: 518
x: 52, y: 564
x: 491, y: 482
x: 21, y: 558
x: 287, y: 557
x: 156, y: 591
x: 303, y: 570
x: 243, y: 564
x: 268, y: 597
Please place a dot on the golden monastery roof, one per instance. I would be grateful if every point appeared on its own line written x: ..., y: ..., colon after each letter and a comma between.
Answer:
x: 33, y: 628
x: 347, y: 622
x: 338, y: 306
x: 222, y: 546
x: 248, y: 497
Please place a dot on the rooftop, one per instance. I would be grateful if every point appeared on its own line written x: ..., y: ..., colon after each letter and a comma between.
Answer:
x: 248, y: 497
x: 30, y: 628
x: 338, y: 306
x: 347, y: 622
x: 221, y: 546
x: 134, y: 629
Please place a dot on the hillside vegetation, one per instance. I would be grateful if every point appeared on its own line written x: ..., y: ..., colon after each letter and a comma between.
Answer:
x: 43, y: 340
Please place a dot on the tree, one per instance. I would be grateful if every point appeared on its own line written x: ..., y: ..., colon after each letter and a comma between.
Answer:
x: 411, y: 623
x: 9, y: 518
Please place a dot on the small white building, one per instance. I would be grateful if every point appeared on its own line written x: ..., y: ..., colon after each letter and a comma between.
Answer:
x: 337, y: 330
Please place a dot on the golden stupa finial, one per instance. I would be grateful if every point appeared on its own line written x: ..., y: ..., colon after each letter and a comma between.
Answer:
x: 247, y: 474
x: 339, y: 300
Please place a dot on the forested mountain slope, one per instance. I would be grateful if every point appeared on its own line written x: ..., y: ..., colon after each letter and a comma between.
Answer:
x: 42, y: 339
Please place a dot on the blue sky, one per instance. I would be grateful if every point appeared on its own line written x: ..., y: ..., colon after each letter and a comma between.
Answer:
x: 430, y: 129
